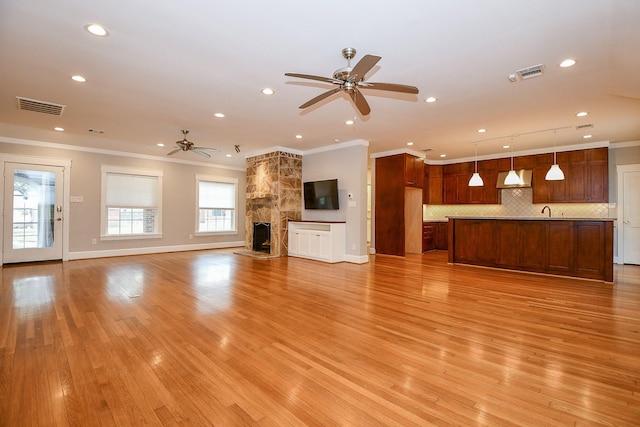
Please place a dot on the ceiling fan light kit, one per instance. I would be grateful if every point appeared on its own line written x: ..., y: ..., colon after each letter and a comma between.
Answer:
x: 186, y: 145
x: 351, y: 79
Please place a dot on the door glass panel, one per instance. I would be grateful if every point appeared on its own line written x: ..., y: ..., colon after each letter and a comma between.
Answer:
x: 33, y: 209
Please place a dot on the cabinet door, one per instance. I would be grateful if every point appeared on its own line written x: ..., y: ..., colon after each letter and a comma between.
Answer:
x: 303, y: 243
x: 507, y: 243
x: 294, y: 242
x: 413, y: 171
x: 450, y: 189
x: 598, y: 175
x: 560, y: 238
x: 435, y: 185
x: 428, y: 237
x: 532, y: 245
x: 590, y: 258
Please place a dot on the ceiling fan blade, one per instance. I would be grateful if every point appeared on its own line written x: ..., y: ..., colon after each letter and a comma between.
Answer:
x: 362, y: 67
x: 361, y: 104
x: 206, y: 148
x: 174, y: 151
x: 310, y: 77
x: 389, y: 86
x: 320, y: 97
x: 202, y: 153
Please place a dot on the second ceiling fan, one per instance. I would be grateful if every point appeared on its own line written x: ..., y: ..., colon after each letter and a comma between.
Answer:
x: 351, y: 79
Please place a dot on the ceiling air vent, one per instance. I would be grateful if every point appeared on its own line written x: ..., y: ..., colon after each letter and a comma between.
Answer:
x: 39, y: 106
x: 426, y: 150
x: 531, y: 72
x: 586, y: 126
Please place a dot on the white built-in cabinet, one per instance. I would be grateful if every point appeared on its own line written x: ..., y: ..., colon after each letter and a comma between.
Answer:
x: 322, y: 241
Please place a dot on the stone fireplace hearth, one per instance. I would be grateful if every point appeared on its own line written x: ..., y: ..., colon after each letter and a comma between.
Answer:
x: 274, y: 196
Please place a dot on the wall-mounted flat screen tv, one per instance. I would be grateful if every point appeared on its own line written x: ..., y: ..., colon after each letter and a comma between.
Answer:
x: 321, y: 194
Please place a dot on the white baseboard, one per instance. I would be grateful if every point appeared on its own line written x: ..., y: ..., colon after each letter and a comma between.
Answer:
x: 356, y: 259
x: 152, y: 250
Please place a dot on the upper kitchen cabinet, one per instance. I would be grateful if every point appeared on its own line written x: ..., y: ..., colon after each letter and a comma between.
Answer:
x: 432, y: 186
x: 413, y: 171
x: 586, y: 177
x: 488, y: 193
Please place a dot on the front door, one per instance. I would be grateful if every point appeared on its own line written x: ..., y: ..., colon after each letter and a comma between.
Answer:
x: 631, y: 216
x: 33, y: 196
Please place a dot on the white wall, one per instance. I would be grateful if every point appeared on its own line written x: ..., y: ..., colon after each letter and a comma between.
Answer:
x: 179, y: 221
x: 348, y: 163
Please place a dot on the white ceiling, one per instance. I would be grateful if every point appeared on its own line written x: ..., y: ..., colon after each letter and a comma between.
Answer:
x: 168, y: 66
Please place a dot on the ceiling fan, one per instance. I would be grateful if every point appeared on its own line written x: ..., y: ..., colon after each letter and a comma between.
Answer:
x: 186, y: 145
x: 351, y: 79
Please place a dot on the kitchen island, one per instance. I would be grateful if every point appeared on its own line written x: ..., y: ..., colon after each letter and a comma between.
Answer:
x: 577, y: 247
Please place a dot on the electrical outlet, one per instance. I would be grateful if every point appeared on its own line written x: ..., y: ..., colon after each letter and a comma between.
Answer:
x: 94, y: 241
x: 190, y: 236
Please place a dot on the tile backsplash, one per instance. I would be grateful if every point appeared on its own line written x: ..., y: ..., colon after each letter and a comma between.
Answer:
x: 517, y: 202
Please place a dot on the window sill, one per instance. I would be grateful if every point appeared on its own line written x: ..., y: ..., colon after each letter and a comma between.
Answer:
x: 216, y: 233
x: 132, y: 236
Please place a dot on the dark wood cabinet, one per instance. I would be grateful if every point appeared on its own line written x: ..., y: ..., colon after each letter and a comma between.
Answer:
x: 432, y: 186
x: 434, y: 236
x: 398, y: 206
x: 586, y: 177
x: 413, y: 171
x: 565, y: 247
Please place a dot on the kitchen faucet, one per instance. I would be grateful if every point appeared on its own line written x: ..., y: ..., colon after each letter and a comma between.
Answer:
x: 547, y: 207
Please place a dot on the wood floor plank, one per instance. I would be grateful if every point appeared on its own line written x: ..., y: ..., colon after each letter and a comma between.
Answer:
x: 215, y: 338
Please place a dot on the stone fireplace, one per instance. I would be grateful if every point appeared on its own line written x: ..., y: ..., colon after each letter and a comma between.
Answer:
x: 274, y: 197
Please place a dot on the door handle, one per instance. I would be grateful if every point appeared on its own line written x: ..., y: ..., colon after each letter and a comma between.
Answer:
x: 627, y: 222
x: 58, y: 219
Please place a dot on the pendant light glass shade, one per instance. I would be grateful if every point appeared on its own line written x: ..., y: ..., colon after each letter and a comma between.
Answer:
x: 512, y: 178
x: 476, y: 179
x: 554, y: 173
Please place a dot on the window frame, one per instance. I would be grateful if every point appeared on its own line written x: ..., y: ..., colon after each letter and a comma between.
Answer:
x: 217, y: 179
x: 106, y: 170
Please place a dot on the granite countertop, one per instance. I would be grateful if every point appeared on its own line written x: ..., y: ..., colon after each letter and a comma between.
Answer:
x: 532, y: 218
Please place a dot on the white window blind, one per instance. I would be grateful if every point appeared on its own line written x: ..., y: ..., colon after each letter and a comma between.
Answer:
x: 131, y: 190
x: 221, y: 195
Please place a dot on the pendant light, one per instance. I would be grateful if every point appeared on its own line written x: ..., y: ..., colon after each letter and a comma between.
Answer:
x: 554, y: 173
x: 476, y: 179
x: 512, y: 177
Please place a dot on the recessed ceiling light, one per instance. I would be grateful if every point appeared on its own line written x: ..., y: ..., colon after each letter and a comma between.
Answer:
x: 267, y: 91
x: 349, y: 122
x: 410, y: 143
x: 78, y: 78
x: 588, y: 136
x: 582, y: 114
x: 59, y: 129
x: 220, y: 115
x: 482, y: 130
x: 568, y: 63
x: 160, y: 144
x: 96, y: 30
x: 431, y: 99
x: 506, y: 146
x: 228, y: 155
x: 443, y: 155
x: 298, y: 136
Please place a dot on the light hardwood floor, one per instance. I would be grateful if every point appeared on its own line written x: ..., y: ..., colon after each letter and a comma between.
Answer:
x: 214, y: 338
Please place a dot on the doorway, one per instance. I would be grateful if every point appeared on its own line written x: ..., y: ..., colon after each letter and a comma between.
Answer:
x: 629, y: 214
x: 33, y: 212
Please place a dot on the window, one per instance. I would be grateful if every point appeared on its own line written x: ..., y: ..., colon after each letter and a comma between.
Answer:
x: 131, y: 203
x: 216, y: 210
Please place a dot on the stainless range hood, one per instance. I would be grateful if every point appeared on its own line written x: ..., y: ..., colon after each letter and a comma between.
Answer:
x: 525, y: 179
